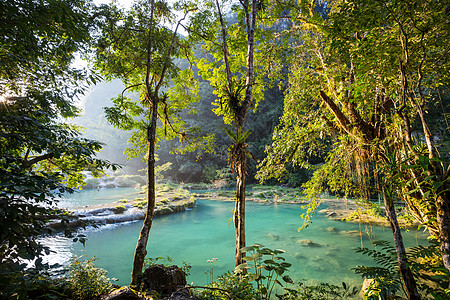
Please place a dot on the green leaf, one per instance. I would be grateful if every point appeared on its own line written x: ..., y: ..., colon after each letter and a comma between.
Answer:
x: 424, y: 162
x: 287, y: 279
x: 246, y: 249
x: 437, y: 185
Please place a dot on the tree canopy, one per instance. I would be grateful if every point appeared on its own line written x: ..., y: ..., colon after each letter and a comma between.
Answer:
x: 363, y: 74
x: 40, y: 156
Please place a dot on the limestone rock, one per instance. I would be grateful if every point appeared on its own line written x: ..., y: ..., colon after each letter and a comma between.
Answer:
x: 124, y: 293
x: 163, y: 280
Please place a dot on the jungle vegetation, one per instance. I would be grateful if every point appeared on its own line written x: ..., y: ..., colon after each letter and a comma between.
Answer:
x: 349, y: 97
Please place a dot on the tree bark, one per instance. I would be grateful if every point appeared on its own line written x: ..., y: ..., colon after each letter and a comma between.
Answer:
x: 443, y: 218
x: 239, y: 214
x: 141, y: 246
x: 239, y: 118
x: 409, y: 282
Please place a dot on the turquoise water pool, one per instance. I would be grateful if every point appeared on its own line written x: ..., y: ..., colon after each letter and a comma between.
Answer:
x: 202, y: 233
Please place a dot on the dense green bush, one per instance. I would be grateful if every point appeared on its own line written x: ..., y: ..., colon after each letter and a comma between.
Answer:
x: 85, y: 281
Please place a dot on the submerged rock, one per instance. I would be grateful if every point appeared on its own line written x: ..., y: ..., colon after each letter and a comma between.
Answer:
x: 332, y: 229
x: 298, y: 256
x: 355, y: 233
x: 308, y: 243
x: 275, y: 237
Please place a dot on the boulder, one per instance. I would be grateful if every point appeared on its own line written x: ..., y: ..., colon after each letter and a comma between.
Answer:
x: 124, y: 293
x: 163, y: 280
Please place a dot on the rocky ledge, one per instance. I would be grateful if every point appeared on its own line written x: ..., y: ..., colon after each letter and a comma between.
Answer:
x: 125, y: 211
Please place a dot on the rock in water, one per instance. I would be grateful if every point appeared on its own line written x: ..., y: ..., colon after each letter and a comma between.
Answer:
x: 332, y: 229
x: 274, y: 236
x: 308, y: 243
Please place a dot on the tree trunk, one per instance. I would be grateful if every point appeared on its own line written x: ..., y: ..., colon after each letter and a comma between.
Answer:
x: 443, y: 218
x: 141, y: 246
x: 239, y: 214
x: 407, y: 276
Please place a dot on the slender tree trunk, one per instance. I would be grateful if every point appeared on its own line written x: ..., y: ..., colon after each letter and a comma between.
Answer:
x: 443, y: 218
x: 239, y: 214
x: 239, y: 116
x: 407, y: 276
x: 443, y: 200
x: 141, y: 246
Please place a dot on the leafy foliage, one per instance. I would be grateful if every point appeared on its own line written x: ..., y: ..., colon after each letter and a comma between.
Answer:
x: 385, y: 279
x: 319, y: 292
x: 85, y: 281
x: 266, y: 271
x: 41, y: 157
x: 231, y: 286
x: 132, y: 107
x: 363, y: 76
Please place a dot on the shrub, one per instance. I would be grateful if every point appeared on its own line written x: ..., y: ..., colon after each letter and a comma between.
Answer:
x: 319, y: 292
x: 85, y: 281
x: 267, y: 272
x: 425, y: 263
x: 30, y: 284
x: 140, y: 204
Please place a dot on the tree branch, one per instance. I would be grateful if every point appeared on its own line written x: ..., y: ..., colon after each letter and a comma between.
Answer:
x: 342, y: 119
x: 225, y: 50
x: 28, y: 163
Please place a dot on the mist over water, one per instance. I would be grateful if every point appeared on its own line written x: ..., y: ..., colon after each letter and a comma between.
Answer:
x: 322, y: 252
x: 84, y: 198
